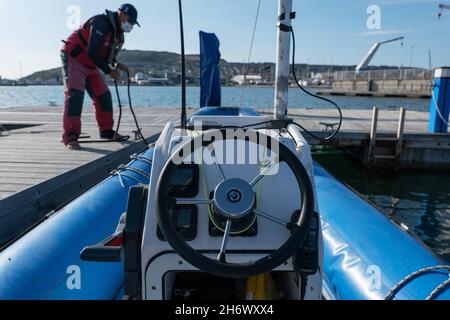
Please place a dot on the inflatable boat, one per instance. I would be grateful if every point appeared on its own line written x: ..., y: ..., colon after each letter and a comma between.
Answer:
x: 161, y: 230
x: 228, y: 206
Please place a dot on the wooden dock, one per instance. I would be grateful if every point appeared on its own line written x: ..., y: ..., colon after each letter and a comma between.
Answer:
x: 39, y: 175
x: 387, y: 140
x: 34, y: 153
x: 358, y: 121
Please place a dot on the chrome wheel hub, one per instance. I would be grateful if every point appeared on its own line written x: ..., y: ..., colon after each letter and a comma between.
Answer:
x: 234, y: 199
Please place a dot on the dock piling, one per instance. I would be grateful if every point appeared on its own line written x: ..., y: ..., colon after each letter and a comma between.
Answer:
x: 400, y: 131
x: 440, y: 104
x: 373, y: 134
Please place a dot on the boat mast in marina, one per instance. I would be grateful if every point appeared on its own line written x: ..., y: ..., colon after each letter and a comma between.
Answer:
x: 285, y: 17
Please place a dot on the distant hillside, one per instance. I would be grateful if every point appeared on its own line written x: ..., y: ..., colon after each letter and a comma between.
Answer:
x: 46, y: 75
x: 158, y: 63
x: 155, y: 62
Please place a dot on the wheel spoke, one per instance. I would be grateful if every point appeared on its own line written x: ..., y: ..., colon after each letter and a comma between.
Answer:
x: 223, y: 248
x: 192, y: 201
x: 270, y: 218
x: 262, y: 175
x: 212, y: 150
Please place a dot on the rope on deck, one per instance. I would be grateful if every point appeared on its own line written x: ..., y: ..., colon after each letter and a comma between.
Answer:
x: 135, y: 170
x: 119, y: 171
x: 142, y: 158
x: 438, y: 290
x: 4, y: 132
x: 121, y: 175
x: 391, y: 294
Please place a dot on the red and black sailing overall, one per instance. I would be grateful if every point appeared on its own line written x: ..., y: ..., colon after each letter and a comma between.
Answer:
x: 88, y: 50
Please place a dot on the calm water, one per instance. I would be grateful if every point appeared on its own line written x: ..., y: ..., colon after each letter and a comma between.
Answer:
x: 170, y: 97
x: 419, y: 200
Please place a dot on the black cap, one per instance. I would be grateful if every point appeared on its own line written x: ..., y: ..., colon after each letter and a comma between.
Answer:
x: 131, y: 12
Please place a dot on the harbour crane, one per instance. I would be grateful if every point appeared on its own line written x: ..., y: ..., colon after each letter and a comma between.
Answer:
x: 368, y: 58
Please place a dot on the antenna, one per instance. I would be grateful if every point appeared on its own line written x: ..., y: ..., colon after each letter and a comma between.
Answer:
x: 183, y: 71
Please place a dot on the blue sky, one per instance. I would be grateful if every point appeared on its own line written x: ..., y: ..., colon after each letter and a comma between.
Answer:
x: 327, y: 31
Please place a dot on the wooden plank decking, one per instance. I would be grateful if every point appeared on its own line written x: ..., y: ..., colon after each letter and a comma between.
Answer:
x: 35, y: 154
x: 359, y: 120
x: 38, y: 175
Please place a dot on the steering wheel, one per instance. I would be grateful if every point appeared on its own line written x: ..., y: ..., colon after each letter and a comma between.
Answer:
x: 234, y: 201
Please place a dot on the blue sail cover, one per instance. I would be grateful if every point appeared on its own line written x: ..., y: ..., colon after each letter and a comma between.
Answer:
x: 210, y: 95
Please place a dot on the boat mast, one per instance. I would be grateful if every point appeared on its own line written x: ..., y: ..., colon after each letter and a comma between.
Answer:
x: 285, y: 16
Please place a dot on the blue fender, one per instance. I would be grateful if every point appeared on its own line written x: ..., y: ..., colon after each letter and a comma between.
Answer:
x: 46, y: 264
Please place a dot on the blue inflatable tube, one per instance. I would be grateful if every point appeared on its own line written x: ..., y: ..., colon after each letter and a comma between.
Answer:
x: 45, y: 263
x: 366, y: 254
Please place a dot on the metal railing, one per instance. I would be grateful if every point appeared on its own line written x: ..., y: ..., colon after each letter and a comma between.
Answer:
x: 392, y: 74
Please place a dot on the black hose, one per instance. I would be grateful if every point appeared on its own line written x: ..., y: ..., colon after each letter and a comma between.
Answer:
x: 119, y: 121
x: 138, y: 128
x: 294, y: 72
x: 120, y: 109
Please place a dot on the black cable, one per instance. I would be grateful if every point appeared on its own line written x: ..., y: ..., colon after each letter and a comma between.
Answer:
x: 119, y: 121
x: 183, y: 70
x: 191, y: 127
x: 290, y: 134
x: 120, y: 109
x: 273, y: 124
x: 304, y: 286
x: 294, y: 71
x: 249, y: 125
x: 138, y: 128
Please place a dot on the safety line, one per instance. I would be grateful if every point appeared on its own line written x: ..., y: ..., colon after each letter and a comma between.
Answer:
x: 391, y: 294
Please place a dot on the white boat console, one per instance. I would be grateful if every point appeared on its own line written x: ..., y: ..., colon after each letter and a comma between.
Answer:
x: 229, y: 206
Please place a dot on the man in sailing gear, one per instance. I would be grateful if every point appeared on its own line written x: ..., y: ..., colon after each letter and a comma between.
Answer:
x: 87, y: 53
